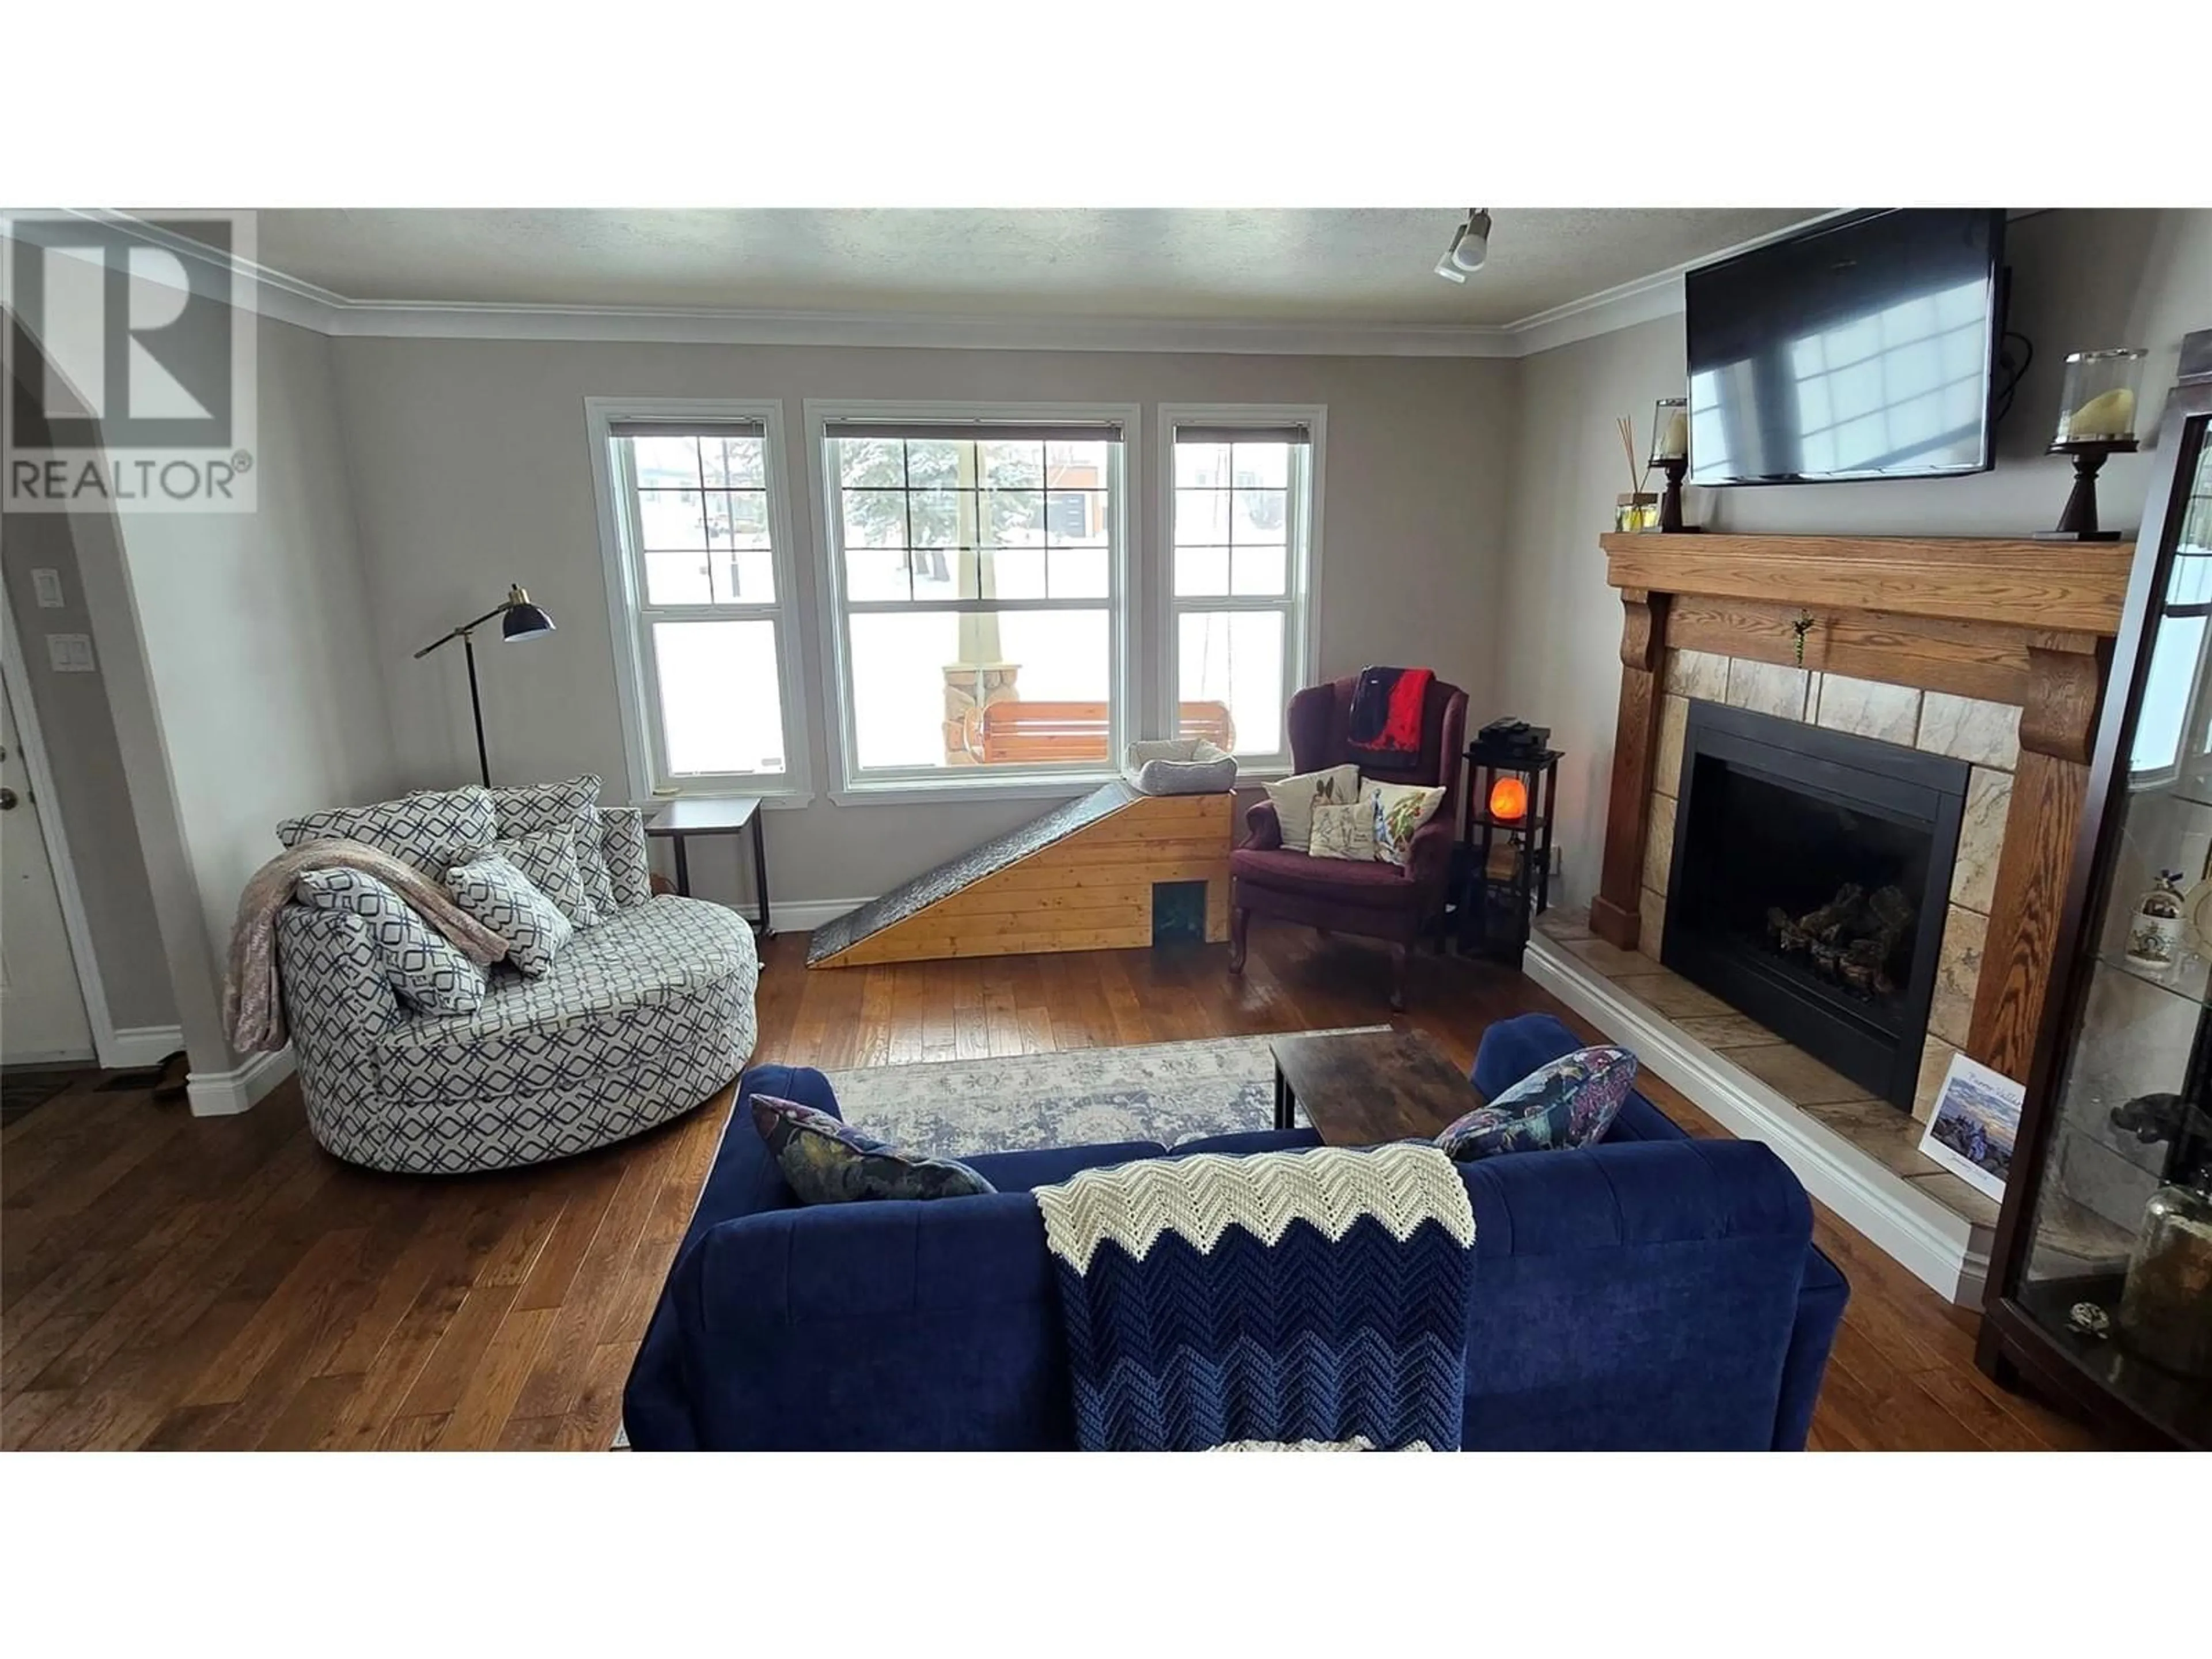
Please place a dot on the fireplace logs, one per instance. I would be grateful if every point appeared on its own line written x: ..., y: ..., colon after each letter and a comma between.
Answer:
x: 1853, y: 939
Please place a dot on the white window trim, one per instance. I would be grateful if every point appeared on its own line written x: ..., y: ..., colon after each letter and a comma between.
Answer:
x: 1303, y: 654
x: 953, y: 784
x: 637, y: 697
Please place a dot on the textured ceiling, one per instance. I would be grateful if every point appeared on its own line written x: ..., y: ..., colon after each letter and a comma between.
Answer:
x: 1355, y: 265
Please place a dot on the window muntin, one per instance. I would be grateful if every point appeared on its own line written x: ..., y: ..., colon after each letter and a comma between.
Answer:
x: 703, y: 602
x: 1241, y: 513
x: 978, y: 570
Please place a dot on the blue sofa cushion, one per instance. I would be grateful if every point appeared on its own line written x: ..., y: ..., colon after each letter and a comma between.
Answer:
x: 1564, y: 1102
x: 825, y: 1161
x: 1044, y: 1166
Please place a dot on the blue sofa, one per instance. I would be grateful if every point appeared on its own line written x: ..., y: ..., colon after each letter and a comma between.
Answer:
x: 1649, y: 1292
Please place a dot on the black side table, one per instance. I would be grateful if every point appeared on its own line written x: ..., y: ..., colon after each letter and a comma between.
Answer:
x: 715, y: 815
x: 1495, y: 909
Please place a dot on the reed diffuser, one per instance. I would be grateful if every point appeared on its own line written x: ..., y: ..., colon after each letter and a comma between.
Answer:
x: 1639, y: 509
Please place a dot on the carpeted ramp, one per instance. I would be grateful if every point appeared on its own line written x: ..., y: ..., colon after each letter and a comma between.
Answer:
x: 1080, y: 878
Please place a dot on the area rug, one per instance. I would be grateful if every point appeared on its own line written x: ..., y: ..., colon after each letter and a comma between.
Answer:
x: 1163, y: 1091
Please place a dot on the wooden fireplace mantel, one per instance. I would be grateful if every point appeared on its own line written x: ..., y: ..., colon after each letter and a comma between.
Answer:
x: 2029, y: 623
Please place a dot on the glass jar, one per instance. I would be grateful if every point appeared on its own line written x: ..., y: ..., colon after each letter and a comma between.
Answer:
x: 2098, y: 405
x: 2166, y: 1310
x: 1637, y: 512
x: 1670, y: 430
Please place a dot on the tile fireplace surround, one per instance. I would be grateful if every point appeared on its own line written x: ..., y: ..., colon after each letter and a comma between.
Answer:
x: 1990, y: 652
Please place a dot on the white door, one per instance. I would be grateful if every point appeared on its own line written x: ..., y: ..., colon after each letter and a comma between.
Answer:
x: 41, y: 1012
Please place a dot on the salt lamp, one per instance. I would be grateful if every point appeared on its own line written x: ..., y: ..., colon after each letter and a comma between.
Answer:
x: 1509, y: 800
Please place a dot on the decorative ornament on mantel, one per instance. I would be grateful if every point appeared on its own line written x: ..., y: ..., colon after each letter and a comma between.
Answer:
x: 1670, y: 454
x: 2097, y: 419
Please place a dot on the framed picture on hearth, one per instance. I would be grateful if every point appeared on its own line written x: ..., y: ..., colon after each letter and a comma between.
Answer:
x: 1976, y: 1120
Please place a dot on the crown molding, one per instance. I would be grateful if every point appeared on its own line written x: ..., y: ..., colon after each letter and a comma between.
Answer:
x: 1644, y: 300
x: 679, y: 326
x: 275, y: 294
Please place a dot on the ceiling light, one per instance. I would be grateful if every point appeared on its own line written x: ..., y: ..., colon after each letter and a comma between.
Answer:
x: 1470, y: 246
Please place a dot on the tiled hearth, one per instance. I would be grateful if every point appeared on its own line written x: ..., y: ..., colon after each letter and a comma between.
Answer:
x: 1858, y: 1155
x: 1875, y: 1127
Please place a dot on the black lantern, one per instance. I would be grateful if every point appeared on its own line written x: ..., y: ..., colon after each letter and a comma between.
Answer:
x: 1505, y: 839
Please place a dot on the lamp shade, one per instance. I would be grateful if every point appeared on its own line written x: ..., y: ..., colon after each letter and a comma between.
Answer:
x: 523, y: 620
x: 1509, y: 800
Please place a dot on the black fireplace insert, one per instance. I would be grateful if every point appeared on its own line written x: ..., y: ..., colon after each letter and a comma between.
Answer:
x: 1811, y: 876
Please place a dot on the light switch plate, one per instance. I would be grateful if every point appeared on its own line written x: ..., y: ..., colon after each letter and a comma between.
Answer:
x: 47, y: 585
x: 71, y: 653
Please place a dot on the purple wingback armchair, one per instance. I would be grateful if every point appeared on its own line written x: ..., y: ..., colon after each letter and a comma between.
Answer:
x: 1378, y: 900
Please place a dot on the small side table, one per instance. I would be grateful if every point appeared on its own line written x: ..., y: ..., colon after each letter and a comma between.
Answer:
x: 715, y: 815
x: 1494, y: 910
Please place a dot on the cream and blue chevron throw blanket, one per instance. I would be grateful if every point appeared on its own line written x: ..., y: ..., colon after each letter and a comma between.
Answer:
x: 1286, y: 1297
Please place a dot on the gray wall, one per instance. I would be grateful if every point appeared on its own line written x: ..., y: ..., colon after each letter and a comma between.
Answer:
x: 471, y: 470
x: 264, y: 689
x: 2082, y: 279
x: 90, y: 781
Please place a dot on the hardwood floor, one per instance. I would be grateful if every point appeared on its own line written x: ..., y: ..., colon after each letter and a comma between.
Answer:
x: 174, y: 1282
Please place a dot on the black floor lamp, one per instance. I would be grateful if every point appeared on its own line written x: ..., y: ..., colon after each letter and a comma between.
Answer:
x: 519, y: 620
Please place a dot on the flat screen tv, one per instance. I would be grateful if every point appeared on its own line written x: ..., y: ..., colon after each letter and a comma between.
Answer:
x: 1864, y: 348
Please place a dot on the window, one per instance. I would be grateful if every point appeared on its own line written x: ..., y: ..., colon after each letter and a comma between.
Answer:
x: 1242, y: 551
x: 2172, y: 739
x: 976, y: 567
x: 699, y: 573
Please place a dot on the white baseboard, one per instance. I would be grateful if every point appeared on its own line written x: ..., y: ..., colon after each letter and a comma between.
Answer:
x: 224, y: 1094
x: 142, y: 1045
x: 1944, y: 1251
x: 805, y: 915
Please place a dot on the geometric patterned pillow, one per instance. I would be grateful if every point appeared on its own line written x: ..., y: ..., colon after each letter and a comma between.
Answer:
x: 421, y: 964
x: 497, y: 895
x: 1570, y: 1103
x: 572, y: 805
x: 432, y: 830
x: 824, y: 1161
x: 622, y: 843
x: 547, y: 861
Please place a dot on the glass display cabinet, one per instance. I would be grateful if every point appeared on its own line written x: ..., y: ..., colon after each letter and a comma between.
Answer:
x: 2100, y: 1285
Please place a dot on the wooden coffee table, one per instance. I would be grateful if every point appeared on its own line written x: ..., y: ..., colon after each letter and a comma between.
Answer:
x: 1365, y: 1088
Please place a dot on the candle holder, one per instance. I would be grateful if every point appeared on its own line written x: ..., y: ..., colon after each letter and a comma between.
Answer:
x: 2097, y: 419
x: 1670, y: 454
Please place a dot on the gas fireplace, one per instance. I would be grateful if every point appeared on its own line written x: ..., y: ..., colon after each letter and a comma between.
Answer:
x: 1810, y: 877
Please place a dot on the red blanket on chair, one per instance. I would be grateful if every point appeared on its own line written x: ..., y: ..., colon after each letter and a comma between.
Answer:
x: 1386, y: 713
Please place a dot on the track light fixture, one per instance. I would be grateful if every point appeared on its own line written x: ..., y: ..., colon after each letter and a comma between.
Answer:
x: 1470, y: 246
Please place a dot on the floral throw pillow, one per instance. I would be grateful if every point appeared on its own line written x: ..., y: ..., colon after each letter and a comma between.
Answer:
x: 1295, y: 798
x: 547, y: 861
x: 501, y: 896
x: 1571, y: 1102
x: 1344, y: 832
x: 427, y: 969
x: 1400, y: 808
x: 825, y: 1161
